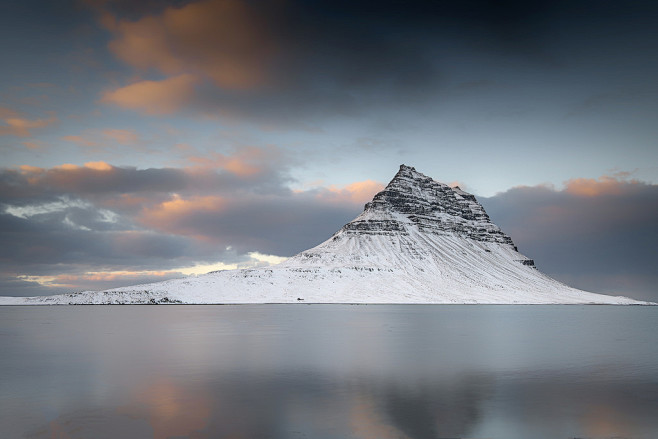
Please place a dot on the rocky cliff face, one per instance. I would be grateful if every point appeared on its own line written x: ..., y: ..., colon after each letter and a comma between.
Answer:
x: 414, y: 199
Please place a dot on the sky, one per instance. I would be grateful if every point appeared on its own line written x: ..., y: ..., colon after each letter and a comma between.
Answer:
x: 141, y: 141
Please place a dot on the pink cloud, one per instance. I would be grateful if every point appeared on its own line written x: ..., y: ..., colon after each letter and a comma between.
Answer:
x: 176, y: 214
x: 99, y: 166
x: 124, y: 137
x: 245, y: 162
x: 80, y: 141
x: 154, y: 97
x: 34, y: 145
x: 358, y: 192
x: 68, y: 177
x: 226, y: 41
x: 604, y: 185
x: 72, y: 280
x: 16, y: 125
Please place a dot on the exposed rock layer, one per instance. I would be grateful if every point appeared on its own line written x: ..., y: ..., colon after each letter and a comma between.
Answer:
x: 431, y: 206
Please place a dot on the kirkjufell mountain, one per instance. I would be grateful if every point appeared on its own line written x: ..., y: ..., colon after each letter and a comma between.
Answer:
x: 417, y: 241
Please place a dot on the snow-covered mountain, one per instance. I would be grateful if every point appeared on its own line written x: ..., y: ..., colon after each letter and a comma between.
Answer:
x: 417, y: 241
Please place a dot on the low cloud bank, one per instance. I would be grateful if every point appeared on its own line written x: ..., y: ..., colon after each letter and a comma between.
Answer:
x: 72, y: 228
x: 599, y: 235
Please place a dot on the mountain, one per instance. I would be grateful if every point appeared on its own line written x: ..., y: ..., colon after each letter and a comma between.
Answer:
x: 417, y: 241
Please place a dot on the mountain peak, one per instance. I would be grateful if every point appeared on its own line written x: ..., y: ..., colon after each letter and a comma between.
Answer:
x: 408, y: 174
x: 412, y: 199
x: 417, y: 241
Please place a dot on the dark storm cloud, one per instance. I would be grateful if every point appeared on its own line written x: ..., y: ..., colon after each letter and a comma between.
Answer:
x: 48, y: 243
x: 595, y: 234
x: 23, y: 288
x: 282, y: 60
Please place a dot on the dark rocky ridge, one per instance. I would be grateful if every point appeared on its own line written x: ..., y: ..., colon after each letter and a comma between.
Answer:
x: 433, y: 207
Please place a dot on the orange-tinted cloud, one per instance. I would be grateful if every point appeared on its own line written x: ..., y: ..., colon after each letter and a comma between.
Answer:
x: 68, y: 177
x: 15, y: 125
x: 224, y: 40
x: 73, y: 280
x: 35, y: 170
x: 124, y: 137
x: 358, y: 192
x: 80, y: 141
x: 67, y: 167
x: 34, y: 145
x: 30, y: 169
x: 176, y: 215
x: 154, y: 97
x: 589, y: 187
x: 459, y: 184
x: 245, y: 162
x: 99, y: 166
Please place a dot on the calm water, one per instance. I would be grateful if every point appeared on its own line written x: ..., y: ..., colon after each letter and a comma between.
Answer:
x: 329, y: 371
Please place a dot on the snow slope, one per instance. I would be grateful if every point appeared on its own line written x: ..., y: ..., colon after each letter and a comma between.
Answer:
x: 417, y: 241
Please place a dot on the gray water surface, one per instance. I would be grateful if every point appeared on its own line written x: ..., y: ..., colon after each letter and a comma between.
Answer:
x: 328, y: 371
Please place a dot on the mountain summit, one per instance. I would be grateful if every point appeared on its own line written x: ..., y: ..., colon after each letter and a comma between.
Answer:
x: 413, y: 199
x: 417, y: 241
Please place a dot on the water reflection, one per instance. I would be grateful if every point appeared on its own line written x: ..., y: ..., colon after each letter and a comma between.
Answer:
x: 328, y: 372
x: 242, y: 407
x: 170, y: 408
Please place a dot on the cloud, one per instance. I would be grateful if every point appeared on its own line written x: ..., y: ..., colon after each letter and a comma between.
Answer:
x: 177, y: 215
x: 589, y: 187
x: 34, y: 145
x: 16, y: 125
x: 80, y: 141
x: 293, y: 61
x: 94, y: 280
x: 99, y: 166
x: 246, y: 161
x: 154, y: 97
x: 596, y: 234
x: 124, y: 137
x: 357, y: 193
x: 225, y: 40
x: 129, y: 188
x: 105, y: 141
x: 277, y: 223
x: 72, y: 220
x: 19, y: 286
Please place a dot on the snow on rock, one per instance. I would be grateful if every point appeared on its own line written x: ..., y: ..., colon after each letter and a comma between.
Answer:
x: 417, y: 241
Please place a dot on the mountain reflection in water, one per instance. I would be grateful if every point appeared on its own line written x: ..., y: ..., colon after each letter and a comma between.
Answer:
x: 329, y: 372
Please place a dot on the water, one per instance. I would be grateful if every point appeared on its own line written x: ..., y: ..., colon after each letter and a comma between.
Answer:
x: 328, y: 371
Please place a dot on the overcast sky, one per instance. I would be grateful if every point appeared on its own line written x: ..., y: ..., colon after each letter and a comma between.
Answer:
x: 146, y: 140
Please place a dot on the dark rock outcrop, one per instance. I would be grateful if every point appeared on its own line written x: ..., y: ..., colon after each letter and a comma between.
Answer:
x: 433, y: 207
